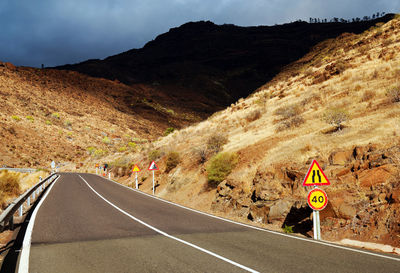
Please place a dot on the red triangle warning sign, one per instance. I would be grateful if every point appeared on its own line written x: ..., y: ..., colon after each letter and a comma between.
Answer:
x: 315, y: 176
x: 153, y: 166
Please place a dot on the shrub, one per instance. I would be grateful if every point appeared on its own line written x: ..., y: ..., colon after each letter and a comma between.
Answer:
x: 100, y: 153
x: 106, y: 140
x: 215, y: 142
x: 254, y: 115
x: 48, y: 122
x: 132, y: 145
x: 220, y: 166
x: 122, y: 149
x: 368, y: 95
x: 30, y: 118
x: 288, y: 229
x: 394, y: 94
x: 290, y: 123
x: 91, y: 150
x: 169, y: 131
x: 154, y: 155
x: 340, y: 67
x: 287, y: 112
x: 56, y: 115
x: 16, y: 118
x: 68, y: 123
x: 335, y: 117
x: 172, y: 161
x: 200, y: 154
x: 9, y: 184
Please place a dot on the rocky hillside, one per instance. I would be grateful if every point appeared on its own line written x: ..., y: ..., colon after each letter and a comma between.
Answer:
x: 218, y: 63
x: 338, y: 104
x: 67, y: 117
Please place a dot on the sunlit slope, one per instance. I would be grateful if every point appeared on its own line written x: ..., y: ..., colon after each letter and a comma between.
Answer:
x: 339, y: 104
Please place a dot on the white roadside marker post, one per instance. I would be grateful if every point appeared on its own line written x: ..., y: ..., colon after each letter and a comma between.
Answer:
x: 20, y: 210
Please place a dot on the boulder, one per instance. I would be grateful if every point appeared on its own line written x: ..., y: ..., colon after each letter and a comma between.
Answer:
x: 396, y: 195
x: 279, y: 210
x: 347, y: 211
x: 340, y: 157
x: 259, y: 213
x: 358, y: 152
x: 327, y: 212
x: 379, y: 175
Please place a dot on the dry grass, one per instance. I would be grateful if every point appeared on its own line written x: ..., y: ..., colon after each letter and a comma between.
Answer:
x: 13, y: 184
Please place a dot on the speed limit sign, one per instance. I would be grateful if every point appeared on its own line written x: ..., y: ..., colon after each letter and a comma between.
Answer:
x: 317, y: 199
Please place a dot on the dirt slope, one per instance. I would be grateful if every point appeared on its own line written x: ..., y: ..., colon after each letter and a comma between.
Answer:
x: 67, y: 117
x: 278, y: 130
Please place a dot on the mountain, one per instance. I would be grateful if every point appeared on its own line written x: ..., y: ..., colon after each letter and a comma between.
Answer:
x: 338, y: 104
x: 207, y: 66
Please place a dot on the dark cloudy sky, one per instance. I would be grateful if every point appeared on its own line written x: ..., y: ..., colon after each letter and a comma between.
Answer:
x: 55, y: 32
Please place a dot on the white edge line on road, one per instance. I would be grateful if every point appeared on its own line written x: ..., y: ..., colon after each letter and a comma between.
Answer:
x: 170, y: 236
x: 257, y: 228
x: 23, y: 266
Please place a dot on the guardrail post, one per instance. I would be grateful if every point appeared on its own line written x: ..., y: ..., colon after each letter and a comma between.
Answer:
x: 21, y: 210
x: 29, y: 201
x: 33, y: 195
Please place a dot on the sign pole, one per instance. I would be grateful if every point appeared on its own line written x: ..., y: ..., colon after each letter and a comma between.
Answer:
x: 153, y: 182
x: 318, y: 226
x: 314, y: 217
x: 136, y: 181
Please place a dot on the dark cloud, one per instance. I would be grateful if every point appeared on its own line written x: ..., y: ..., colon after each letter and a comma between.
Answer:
x: 59, y: 32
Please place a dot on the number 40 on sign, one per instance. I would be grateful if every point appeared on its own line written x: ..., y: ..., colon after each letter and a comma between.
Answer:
x: 317, y: 199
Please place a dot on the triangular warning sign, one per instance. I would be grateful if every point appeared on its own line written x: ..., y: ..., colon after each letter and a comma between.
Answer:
x: 135, y: 169
x: 153, y: 166
x: 315, y: 176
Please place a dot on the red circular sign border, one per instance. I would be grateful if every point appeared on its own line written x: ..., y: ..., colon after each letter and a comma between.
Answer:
x: 323, y: 192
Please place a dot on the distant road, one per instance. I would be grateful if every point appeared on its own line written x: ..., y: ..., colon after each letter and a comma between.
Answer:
x: 90, y: 224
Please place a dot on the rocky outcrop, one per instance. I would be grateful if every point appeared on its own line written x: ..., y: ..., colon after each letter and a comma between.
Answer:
x: 364, y: 195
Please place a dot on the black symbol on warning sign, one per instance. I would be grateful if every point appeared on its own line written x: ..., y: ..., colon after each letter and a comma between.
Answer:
x: 313, y: 176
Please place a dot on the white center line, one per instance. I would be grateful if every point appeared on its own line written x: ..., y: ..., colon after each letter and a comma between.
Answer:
x: 170, y: 236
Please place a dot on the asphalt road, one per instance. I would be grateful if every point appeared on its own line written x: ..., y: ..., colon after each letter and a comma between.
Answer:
x: 76, y: 230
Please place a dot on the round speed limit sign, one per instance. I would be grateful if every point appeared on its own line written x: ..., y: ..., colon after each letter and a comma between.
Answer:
x: 317, y: 199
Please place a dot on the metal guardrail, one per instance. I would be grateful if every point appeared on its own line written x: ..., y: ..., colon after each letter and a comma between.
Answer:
x: 19, y: 170
x: 7, y: 215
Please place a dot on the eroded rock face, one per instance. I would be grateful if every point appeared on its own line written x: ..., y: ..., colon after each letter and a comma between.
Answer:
x: 364, y: 195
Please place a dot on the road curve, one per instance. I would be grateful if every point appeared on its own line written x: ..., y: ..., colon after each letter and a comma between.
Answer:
x: 90, y: 224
